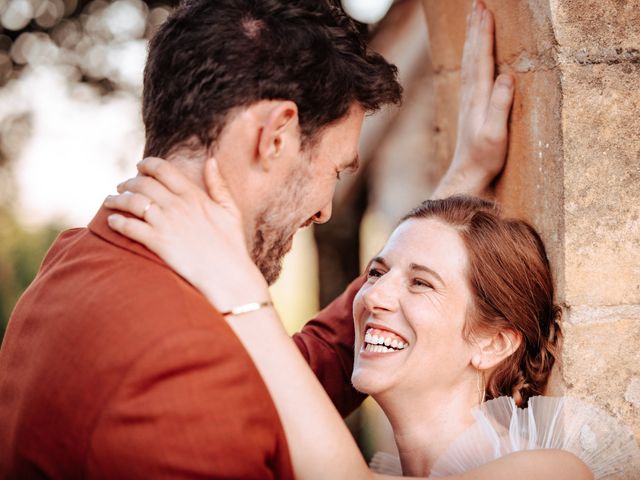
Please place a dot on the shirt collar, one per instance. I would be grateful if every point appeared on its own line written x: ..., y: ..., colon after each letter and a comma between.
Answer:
x: 99, y: 227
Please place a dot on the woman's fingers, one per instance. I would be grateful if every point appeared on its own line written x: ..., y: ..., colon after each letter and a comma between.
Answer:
x: 485, y: 59
x: 495, y: 125
x: 166, y: 174
x: 150, y: 188
x: 470, y: 44
x: 477, y: 60
x: 135, y: 229
x: 483, y: 109
x: 133, y: 203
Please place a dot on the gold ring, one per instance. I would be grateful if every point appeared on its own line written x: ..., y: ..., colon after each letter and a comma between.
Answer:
x: 146, y: 209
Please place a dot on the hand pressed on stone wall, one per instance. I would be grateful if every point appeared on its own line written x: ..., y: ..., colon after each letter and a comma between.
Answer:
x: 483, y: 113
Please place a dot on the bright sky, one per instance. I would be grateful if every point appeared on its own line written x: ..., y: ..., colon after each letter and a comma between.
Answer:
x: 78, y: 144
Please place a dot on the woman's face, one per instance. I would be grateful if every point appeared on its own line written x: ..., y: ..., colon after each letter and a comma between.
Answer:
x: 410, y: 313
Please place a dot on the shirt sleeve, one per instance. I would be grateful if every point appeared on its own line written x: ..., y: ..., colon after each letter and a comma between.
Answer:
x: 192, y: 406
x: 326, y: 342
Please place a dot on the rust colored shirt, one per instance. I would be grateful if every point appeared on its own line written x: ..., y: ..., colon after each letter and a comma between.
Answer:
x: 113, y: 366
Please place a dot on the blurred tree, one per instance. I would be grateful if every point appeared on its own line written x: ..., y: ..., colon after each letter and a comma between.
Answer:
x: 85, y: 38
x: 21, y: 252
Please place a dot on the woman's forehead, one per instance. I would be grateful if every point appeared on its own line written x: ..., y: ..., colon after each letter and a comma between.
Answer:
x: 419, y: 240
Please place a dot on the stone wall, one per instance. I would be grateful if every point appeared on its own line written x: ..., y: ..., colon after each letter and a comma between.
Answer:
x: 573, y: 169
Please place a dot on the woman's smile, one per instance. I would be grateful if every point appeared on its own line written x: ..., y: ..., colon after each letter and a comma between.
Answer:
x: 381, y: 340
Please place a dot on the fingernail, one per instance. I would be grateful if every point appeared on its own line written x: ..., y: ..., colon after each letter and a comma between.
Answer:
x: 107, y: 199
x: 485, y: 17
x: 112, y: 218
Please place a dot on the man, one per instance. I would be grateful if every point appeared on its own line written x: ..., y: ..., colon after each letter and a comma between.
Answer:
x: 112, y: 365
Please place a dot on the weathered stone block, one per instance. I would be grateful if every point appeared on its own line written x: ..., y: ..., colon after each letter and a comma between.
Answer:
x: 588, y: 30
x: 601, y: 364
x: 532, y: 182
x: 601, y: 183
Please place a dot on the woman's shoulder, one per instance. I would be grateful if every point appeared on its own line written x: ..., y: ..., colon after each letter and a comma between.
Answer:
x: 532, y: 465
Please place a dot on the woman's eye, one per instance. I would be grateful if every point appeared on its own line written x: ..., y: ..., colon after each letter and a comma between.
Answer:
x: 374, y: 272
x: 421, y: 283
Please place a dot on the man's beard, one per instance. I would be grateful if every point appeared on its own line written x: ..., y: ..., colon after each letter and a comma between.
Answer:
x: 277, y: 223
x: 270, y: 245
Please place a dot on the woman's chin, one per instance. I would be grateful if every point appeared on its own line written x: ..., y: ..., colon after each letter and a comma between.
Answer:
x: 368, y: 382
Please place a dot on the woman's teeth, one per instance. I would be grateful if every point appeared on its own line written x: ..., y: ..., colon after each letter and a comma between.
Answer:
x: 378, y: 341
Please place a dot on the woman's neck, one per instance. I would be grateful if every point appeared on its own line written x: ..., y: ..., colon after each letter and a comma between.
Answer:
x: 425, y: 423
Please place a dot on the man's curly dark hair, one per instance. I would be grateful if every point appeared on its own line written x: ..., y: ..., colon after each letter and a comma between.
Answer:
x: 212, y: 56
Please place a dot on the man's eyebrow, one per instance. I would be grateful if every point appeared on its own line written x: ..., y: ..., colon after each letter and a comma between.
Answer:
x: 354, y: 164
x: 422, y: 268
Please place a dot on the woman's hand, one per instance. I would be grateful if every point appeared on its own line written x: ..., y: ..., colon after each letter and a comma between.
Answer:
x: 483, y: 112
x: 196, y: 234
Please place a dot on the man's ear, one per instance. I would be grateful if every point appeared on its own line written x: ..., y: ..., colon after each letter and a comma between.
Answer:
x: 494, y: 349
x: 279, y: 132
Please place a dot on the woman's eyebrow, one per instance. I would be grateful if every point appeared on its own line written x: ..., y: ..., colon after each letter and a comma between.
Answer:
x: 379, y: 260
x: 423, y: 268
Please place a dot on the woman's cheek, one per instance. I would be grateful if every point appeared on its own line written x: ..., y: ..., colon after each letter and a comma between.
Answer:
x: 358, y: 304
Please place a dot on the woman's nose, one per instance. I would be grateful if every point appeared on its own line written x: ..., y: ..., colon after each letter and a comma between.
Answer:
x: 382, y: 295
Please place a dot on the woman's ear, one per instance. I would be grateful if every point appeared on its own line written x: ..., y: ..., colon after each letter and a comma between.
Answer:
x: 279, y: 132
x: 494, y: 349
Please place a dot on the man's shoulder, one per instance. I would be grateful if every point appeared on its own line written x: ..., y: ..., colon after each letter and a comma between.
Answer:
x: 95, y: 284
x: 104, y: 336
x: 106, y: 306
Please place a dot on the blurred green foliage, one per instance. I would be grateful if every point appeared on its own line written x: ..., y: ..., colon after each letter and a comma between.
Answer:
x: 21, y: 252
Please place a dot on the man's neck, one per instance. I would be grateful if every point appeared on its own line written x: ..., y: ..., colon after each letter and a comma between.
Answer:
x: 191, y: 166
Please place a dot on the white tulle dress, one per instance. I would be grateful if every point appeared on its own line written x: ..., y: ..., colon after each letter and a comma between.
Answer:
x: 605, y: 445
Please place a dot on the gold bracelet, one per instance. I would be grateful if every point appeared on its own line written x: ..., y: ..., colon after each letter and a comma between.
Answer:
x: 247, y: 308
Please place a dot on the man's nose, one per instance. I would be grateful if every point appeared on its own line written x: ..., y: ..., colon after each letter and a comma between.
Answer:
x: 324, y: 214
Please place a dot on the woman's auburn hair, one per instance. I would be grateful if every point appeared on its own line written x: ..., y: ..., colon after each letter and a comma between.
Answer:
x: 512, y: 289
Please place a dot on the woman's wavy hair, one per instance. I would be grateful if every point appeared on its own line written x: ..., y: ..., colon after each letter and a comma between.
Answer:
x: 512, y: 288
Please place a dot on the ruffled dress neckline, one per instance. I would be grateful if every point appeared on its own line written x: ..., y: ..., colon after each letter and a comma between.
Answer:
x: 602, y: 442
